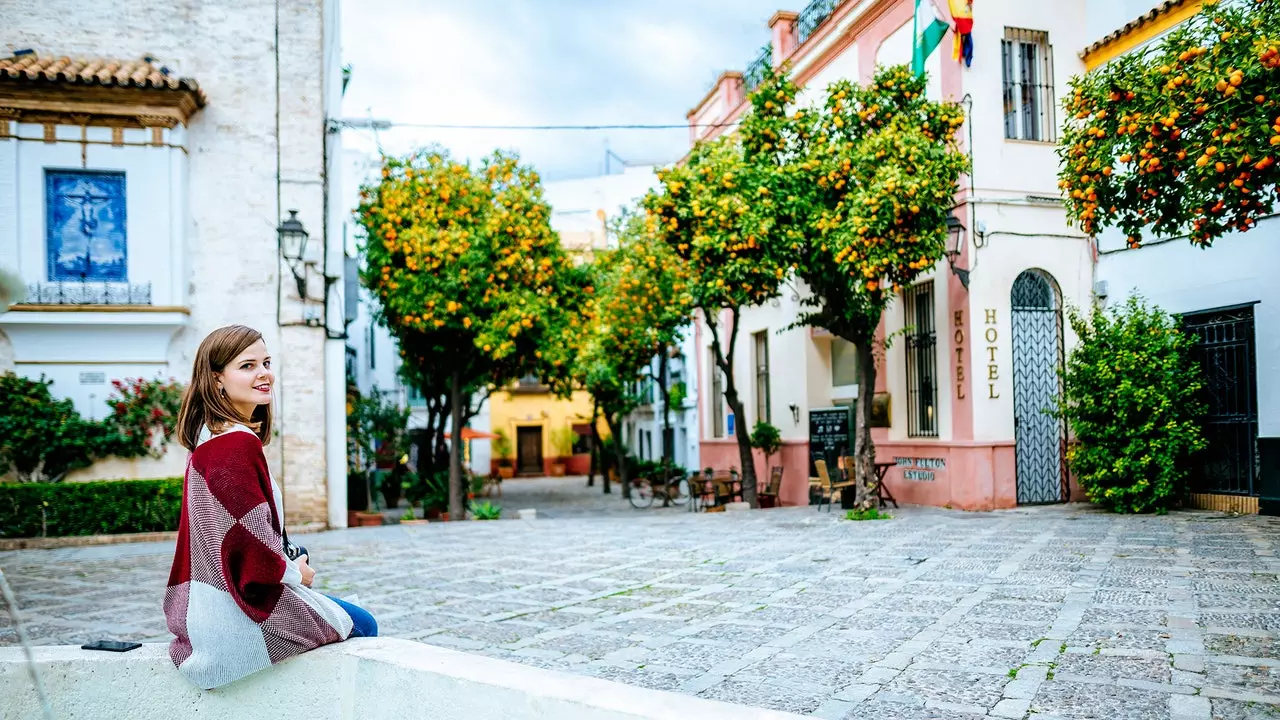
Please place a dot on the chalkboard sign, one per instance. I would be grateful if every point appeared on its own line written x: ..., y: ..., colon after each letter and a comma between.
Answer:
x: 829, y: 434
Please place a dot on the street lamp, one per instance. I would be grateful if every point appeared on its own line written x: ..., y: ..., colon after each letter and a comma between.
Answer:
x: 955, y: 238
x: 293, y: 247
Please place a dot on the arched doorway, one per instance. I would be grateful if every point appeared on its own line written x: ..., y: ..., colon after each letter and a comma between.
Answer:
x: 1040, y: 439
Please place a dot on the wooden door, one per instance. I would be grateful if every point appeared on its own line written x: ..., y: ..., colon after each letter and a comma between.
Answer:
x: 529, y: 450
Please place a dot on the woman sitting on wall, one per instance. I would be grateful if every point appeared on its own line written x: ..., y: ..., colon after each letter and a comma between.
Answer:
x: 239, y: 597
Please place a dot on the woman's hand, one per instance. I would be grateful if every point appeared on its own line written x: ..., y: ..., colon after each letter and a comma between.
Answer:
x: 307, y: 573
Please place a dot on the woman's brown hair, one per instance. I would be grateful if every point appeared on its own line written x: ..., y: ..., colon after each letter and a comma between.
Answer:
x: 203, y: 404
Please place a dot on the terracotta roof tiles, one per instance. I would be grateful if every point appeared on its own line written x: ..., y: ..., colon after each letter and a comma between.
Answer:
x: 1151, y: 15
x: 96, y: 71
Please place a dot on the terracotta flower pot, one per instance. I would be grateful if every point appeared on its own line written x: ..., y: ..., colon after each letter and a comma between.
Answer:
x: 506, y: 472
x: 363, y: 519
x: 557, y: 470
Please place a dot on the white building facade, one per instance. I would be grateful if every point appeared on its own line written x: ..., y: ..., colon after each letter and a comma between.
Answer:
x: 144, y: 171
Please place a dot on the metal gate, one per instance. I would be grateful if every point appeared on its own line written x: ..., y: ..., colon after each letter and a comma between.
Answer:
x: 1224, y: 350
x: 1039, y: 438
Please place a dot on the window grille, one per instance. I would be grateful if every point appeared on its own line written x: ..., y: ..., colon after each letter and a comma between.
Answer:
x: 1026, y: 60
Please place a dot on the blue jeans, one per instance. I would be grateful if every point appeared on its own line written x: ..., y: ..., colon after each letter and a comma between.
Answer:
x: 363, y: 624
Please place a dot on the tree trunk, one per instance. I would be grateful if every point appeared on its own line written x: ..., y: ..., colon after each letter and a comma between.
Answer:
x: 619, y: 456
x: 456, y: 492
x: 744, y: 448
x: 725, y: 362
x: 668, y: 436
x: 595, y: 443
x: 604, y: 466
x: 864, y: 453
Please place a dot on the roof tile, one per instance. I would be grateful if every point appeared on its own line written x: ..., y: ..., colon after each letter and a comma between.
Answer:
x: 95, y: 71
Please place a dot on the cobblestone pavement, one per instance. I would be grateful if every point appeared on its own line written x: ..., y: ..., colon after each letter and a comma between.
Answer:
x: 1058, y: 612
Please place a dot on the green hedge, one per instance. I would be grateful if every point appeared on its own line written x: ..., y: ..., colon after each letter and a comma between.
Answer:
x: 91, y: 508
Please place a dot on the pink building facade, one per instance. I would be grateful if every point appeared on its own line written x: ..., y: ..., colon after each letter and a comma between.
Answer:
x: 967, y: 385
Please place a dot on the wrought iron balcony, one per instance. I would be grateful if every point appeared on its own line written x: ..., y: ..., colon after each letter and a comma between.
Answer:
x: 812, y: 17
x: 759, y: 69
x: 88, y: 293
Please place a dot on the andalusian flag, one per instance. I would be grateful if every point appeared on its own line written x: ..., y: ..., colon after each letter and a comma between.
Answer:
x: 929, y: 31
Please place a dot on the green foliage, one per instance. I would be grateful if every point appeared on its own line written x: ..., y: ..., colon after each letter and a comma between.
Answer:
x: 1180, y: 137
x: 58, y: 509
x: 860, y: 189
x: 871, y: 513
x: 429, y: 489
x: 485, y: 510
x: 376, y: 427
x: 467, y: 268
x: 642, y: 300
x: 562, y: 440
x: 41, y: 438
x: 1130, y: 396
x: 501, y: 446
x: 766, y: 438
x: 678, y: 393
x: 144, y: 416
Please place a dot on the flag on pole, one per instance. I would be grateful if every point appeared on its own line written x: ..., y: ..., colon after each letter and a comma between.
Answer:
x: 962, y: 14
x: 929, y: 31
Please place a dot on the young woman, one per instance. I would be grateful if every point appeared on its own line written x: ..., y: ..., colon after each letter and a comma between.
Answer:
x: 236, y: 601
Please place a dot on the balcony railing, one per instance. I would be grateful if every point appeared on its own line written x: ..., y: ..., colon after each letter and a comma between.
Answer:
x: 759, y: 69
x: 88, y: 293
x: 812, y: 17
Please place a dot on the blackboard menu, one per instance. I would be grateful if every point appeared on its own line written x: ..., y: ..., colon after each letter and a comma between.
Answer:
x: 828, y: 436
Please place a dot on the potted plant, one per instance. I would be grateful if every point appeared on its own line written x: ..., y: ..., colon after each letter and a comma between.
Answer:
x: 430, y: 490
x: 562, y: 440
x: 502, y: 450
x: 408, y: 517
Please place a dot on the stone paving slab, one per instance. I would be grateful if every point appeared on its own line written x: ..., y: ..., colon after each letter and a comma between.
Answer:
x: 1058, y: 612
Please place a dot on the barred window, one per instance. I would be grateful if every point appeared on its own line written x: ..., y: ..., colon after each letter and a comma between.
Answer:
x: 922, y: 364
x: 762, y: 376
x: 1026, y: 60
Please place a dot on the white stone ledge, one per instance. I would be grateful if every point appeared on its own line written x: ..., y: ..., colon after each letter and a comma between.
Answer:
x: 373, y: 678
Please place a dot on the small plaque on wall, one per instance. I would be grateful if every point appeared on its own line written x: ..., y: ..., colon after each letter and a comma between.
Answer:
x: 93, y: 378
x: 880, y: 410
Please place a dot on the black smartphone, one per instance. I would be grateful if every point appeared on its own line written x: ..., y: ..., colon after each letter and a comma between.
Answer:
x: 111, y: 645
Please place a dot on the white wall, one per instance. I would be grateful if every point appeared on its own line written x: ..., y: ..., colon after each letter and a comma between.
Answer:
x: 1180, y: 278
x: 353, y: 680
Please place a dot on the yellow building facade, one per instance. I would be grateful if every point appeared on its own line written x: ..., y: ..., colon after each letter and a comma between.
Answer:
x: 537, y: 424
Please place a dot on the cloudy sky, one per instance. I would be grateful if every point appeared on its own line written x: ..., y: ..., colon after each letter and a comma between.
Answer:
x: 543, y: 62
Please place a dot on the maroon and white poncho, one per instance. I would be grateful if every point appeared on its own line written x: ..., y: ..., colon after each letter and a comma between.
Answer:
x: 235, y: 602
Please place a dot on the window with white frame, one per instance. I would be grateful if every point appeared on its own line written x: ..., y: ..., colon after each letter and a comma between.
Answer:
x: 761, y: 341
x: 1026, y: 60
x: 717, y: 396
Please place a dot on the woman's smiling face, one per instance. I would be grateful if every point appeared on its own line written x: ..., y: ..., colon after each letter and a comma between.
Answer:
x: 247, y: 380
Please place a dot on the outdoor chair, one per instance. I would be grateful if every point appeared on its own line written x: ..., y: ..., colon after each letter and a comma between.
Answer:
x: 494, y: 481
x: 769, y: 496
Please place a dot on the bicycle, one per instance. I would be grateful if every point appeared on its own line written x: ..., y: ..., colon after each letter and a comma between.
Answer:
x: 674, y: 491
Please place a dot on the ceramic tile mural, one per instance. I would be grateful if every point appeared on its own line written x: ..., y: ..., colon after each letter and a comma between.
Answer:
x: 85, y: 225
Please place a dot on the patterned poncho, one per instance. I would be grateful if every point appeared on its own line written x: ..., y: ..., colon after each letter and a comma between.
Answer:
x: 235, y: 602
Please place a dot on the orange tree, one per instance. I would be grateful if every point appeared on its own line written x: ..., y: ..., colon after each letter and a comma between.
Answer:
x: 641, y: 303
x: 470, y: 277
x: 860, y: 189
x: 1180, y: 138
x: 709, y: 211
